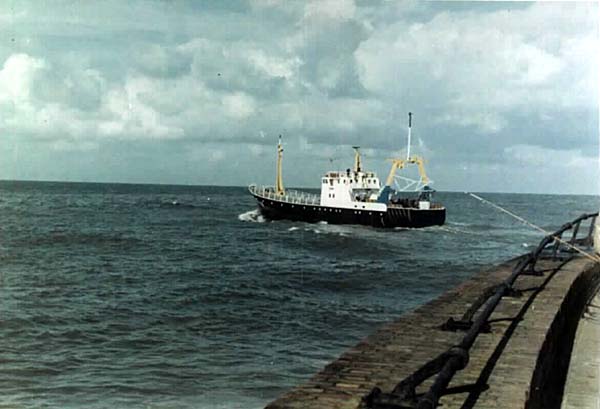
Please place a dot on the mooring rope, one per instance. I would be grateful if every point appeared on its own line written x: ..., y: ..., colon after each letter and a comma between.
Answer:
x: 592, y: 257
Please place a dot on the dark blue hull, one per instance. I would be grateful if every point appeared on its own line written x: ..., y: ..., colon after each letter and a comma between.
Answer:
x: 393, y: 217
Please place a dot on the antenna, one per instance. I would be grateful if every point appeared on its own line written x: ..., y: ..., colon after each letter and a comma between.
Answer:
x: 409, y: 129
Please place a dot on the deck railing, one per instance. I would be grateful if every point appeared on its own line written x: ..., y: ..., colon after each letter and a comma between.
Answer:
x: 456, y: 358
x: 290, y: 196
x: 304, y: 198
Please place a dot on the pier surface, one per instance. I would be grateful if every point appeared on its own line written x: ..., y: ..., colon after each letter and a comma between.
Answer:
x: 582, y: 389
x: 522, y: 362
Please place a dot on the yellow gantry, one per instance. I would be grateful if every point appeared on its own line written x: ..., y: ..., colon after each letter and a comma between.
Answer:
x: 401, y: 163
x: 420, y: 164
x: 279, y: 189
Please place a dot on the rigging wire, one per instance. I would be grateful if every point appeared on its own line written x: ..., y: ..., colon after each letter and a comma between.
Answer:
x: 536, y: 227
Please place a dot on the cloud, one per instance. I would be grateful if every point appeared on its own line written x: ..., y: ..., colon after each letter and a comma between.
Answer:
x: 17, y: 77
x: 326, y: 39
x: 531, y: 155
x: 161, y: 61
x: 484, y: 66
x: 568, y: 171
x: 70, y: 146
x: 238, y: 105
x: 75, y: 106
x: 216, y: 155
x: 273, y: 66
x: 80, y: 89
x: 130, y: 117
x: 330, y: 10
x: 490, y: 84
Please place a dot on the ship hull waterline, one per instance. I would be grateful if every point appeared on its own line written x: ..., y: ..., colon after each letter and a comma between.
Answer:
x: 392, y: 217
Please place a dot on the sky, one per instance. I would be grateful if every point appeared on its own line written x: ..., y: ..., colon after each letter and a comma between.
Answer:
x: 504, y: 95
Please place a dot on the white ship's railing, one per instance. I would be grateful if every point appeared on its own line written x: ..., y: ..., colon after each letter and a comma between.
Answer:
x: 432, y: 206
x: 290, y: 196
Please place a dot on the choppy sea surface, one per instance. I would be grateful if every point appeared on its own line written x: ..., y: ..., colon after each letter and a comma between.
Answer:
x: 141, y: 296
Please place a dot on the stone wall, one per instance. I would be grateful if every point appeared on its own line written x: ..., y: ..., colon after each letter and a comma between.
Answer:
x: 553, y: 359
x: 515, y: 365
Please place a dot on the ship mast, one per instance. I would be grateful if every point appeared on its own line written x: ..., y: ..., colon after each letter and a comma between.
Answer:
x: 279, y: 189
x: 409, y: 130
x: 357, y: 165
x: 401, y: 163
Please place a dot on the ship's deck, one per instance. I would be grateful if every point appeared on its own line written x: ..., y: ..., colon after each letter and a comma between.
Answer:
x: 311, y: 199
x: 432, y: 206
x: 290, y: 196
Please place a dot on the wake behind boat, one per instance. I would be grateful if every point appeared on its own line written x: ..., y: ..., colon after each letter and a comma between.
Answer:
x: 355, y: 196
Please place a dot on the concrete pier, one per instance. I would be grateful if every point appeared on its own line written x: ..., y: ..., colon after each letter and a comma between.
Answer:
x: 582, y: 389
x: 522, y: 362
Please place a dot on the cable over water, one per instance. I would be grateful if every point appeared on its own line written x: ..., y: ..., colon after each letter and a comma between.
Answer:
x: 591, y: 256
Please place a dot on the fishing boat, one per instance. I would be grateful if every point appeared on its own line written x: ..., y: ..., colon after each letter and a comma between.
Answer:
x: 356, y: 196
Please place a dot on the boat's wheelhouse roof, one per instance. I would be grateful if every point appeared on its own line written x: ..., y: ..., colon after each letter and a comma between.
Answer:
x: 349, y: 173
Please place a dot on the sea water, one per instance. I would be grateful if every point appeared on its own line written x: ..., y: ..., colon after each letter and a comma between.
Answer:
x: 140, y: 296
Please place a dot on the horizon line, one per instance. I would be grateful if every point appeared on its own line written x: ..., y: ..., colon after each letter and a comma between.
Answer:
x: 294, y: 187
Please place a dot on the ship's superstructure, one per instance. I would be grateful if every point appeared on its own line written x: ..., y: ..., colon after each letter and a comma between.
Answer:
x: 355, y: 196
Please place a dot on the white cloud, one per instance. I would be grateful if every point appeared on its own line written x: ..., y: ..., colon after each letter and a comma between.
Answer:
x: 256, y: 150
x: 131, y: 117
x: 17, y: 77
x: 238, y: 105
x: 546, y: 169
x: 485, y: 66
x: 216, y: 155
x: 70, y: 146
x: 325, y: 74
x: 158, y: 60
x: 274, y: 66
x: 330, y: 9
x: 62, y: 114
x: 537, y: 156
